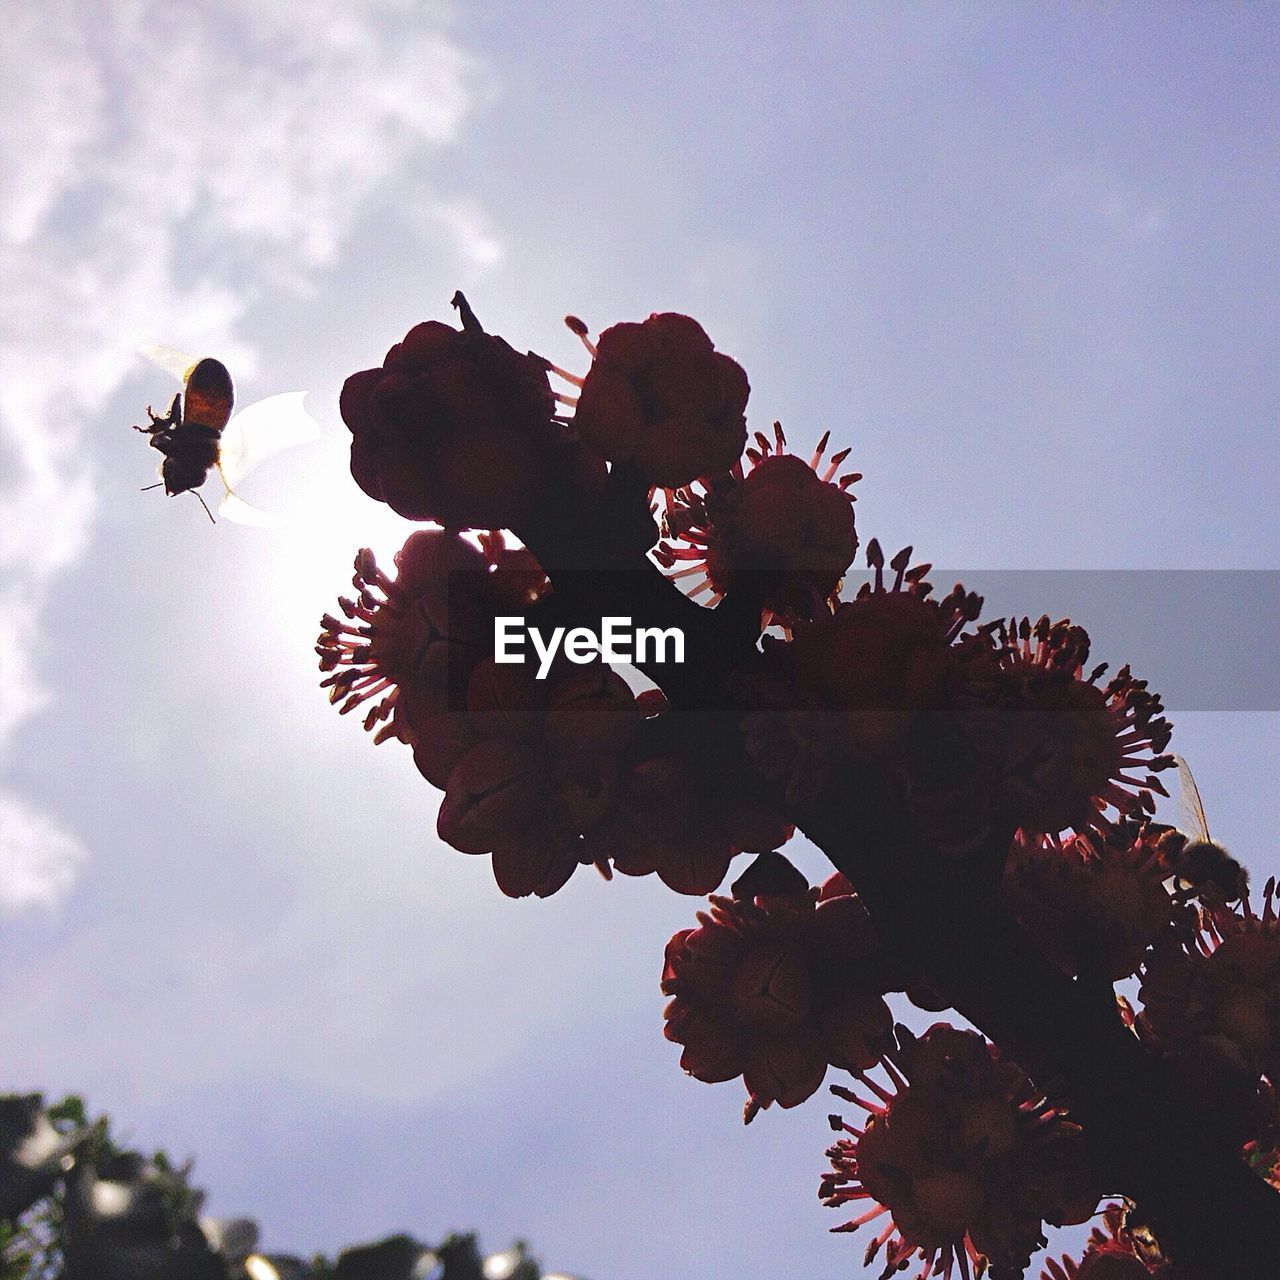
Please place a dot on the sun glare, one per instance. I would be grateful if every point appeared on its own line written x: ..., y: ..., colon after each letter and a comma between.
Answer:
x: 326, y: 519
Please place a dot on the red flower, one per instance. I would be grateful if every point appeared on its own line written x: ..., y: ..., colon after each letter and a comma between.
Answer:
x: 659, y: 393
x: 1092, y: 900
x: 414, y: 638
x: 456, y: 427
x: 1216, y: 997
x: 882, y: 658
x: 879, y: 661
x: 783, y: 522
x: 854, y: 683
x: 664, y: 825
x: 964, y: 1155
x: 681, y: 817
x: 775, y: 990
x: 495, y: 790
x: 1070, y: 746
x: 530, y: 771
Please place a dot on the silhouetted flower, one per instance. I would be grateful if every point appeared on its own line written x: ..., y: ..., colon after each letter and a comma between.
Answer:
x: 783, y: 523
x: 1070, y: 746
x: 531, y: 770
x: 681, y: 816
x: 962, y: 1153
x: 1216, y: 995
x: 878, y: 661
x: 775, y: 990
x: 1091, y: 900
x: 660, y: 394
x: 852, y: 684
x: 657, y: 805
x: 455, y: 426
x: 412, y: 641
x: 669, y: 824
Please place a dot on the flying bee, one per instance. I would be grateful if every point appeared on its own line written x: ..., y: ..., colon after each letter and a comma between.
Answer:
x: 1200, y: 862
x: 199, y: 433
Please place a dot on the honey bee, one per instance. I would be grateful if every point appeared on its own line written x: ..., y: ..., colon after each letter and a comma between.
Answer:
x: 1200, y: 862
x: 199, y: 433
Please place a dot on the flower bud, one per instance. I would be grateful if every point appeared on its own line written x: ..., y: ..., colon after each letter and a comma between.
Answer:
x: 659, y: 393
x: 454, y: 427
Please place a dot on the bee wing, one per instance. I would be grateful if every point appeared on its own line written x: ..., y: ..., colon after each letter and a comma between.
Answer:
x: 260, y: 431
x: 177, y: 363
x: 238, y: 511
x: 1190, y: 809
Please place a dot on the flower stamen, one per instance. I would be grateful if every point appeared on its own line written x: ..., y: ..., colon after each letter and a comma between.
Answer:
x: 579, y: 328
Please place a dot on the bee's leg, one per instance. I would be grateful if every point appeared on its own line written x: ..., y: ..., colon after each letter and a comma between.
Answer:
x: 170, y: 422
x: 205, y: 505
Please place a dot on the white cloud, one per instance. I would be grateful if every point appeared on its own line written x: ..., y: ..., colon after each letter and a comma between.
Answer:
x: 38, y: 860
x: 50, y: 99
x: 274, y: 145
x: 161, y: 168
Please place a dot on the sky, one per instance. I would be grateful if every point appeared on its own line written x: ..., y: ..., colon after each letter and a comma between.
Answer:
x: 1020, y: 258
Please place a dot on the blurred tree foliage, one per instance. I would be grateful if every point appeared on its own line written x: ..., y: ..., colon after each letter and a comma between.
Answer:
x: 77, y: 1205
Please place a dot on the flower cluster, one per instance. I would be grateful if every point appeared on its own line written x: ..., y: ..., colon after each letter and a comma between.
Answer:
x: 544, y: 775
x: 776, y: 987
x: 998, y: 726
x: 456, y: 426
x: 1002, y: 751
x: 964, y: 1156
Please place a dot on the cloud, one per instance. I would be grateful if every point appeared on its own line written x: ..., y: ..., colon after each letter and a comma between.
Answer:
x: 50, y: 96
x: 37, y: 859
x: 161, y: 170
